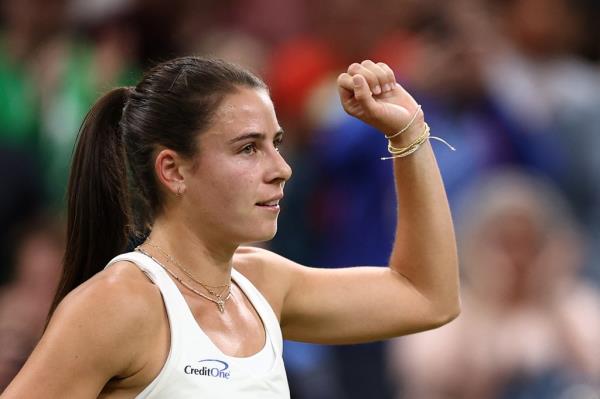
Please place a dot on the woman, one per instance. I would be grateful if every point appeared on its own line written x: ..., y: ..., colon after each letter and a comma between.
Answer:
x: 191, y: 313
x: 529, y: 316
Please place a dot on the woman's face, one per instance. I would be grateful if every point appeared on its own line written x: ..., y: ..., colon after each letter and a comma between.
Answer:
x: 232, y: 192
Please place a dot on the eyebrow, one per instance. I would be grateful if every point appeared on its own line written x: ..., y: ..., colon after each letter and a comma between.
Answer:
x: 254, y: 135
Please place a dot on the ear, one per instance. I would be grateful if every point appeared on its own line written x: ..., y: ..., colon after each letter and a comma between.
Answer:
x: 168, y: 165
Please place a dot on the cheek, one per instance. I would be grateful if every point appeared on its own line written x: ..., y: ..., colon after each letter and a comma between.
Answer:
x: 230, y: 185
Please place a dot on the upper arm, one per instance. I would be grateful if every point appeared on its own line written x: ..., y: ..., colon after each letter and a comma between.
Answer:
x: 347, y: 305
x: 352, y: 305
x: 96, y: 333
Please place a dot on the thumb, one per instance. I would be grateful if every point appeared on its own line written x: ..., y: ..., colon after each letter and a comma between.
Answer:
x: 362, y: 93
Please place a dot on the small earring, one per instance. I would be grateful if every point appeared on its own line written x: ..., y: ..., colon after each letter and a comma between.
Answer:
x: 179, y: 190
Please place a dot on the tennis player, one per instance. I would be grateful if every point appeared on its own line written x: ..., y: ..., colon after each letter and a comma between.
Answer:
x: 188, y: 160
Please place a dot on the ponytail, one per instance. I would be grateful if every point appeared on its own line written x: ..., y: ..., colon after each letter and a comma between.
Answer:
x: 98, y: 202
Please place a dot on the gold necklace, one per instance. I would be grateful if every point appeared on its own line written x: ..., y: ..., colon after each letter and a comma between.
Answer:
x: 220, y: 302
x: 209, y: 288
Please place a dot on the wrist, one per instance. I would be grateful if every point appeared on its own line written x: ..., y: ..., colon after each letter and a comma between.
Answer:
x: 417, y: 118
x: 411, y: 137
x: 410, y: 134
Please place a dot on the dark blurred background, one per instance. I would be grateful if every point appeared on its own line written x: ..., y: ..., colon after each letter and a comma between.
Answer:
x: 514, y: 85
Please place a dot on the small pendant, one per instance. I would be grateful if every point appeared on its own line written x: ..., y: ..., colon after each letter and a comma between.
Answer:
x: 220, y: 305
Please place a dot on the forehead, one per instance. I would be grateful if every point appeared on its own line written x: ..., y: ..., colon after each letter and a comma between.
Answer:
x: 245, y: 110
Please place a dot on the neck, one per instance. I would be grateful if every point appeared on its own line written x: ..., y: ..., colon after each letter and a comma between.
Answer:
x: 207, y: 260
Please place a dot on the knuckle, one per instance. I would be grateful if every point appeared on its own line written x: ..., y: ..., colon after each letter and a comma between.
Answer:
x: 387, y: 70
x: 367, y: 63
x: 383, y: 65
x: 354, y: 68
x: 369, y: 75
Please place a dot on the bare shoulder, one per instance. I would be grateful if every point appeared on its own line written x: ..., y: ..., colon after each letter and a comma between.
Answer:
x: 121, y: 293
x: 117, y: 310
x: 271, y: 274
x: 103, y: 330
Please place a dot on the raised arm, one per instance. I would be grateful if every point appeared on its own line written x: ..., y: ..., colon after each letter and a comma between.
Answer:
x: 420, y: 289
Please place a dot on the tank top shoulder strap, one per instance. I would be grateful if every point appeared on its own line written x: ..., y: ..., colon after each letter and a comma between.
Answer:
x: 174, y: 304
x: 263, y: 307
x: 154, y: 272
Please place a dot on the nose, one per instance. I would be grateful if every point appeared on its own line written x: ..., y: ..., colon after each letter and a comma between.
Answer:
x: 280, y: 170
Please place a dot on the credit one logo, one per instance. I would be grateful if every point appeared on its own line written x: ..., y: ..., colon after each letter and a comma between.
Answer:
x: 209, y: 368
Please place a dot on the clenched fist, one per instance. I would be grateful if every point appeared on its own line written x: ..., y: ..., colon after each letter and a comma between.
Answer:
x: 369, y: 92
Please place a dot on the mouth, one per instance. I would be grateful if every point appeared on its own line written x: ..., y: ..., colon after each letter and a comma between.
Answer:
x: 272, y: 204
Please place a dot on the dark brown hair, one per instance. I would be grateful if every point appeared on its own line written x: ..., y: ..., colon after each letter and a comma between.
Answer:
x: 113, y: 195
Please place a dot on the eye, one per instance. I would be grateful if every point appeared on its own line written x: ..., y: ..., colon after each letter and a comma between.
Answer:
x: 278, y: 142
x: 249, y: 149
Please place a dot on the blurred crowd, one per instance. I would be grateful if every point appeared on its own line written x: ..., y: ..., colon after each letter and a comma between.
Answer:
x: 514, y: 85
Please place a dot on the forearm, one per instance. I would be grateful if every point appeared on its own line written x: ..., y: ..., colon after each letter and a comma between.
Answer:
x: 425, y: 247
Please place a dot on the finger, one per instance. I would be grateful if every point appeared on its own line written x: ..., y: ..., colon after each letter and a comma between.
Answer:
x: 380, y: 74
x: 390, y: 77
x: 371, y: 78
x: 345, y: 86
x: 362, y: 93
x: 344, y: 80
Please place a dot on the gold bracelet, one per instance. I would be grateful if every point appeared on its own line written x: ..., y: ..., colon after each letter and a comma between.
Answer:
x: 411, y: 148
x: 414, y: 146
x: 405, y: 128
x: 419, y: 140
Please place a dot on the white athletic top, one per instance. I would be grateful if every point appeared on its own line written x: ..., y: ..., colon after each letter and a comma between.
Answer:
x: 195, y: 367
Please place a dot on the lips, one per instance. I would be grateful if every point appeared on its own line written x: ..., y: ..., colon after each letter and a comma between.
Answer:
x: 268, y: 203
x: 271, y: 202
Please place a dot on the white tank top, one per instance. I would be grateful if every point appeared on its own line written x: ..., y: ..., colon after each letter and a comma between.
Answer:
x: 195, y: 367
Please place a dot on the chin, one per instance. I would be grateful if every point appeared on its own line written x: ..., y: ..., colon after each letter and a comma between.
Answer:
x: 268, y: 235
x: 260, y: 235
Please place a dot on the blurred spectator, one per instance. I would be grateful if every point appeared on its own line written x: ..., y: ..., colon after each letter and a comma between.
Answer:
x: 529, y: 325
x: 72, y: 71
x: 348, y: 27
x: 272, y: 21
x: 539, y: 75
x: 19, y: 203
x: 25, y: 302
x: 449, y: 80
x: 25, y: 26
x: 233, y: 46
